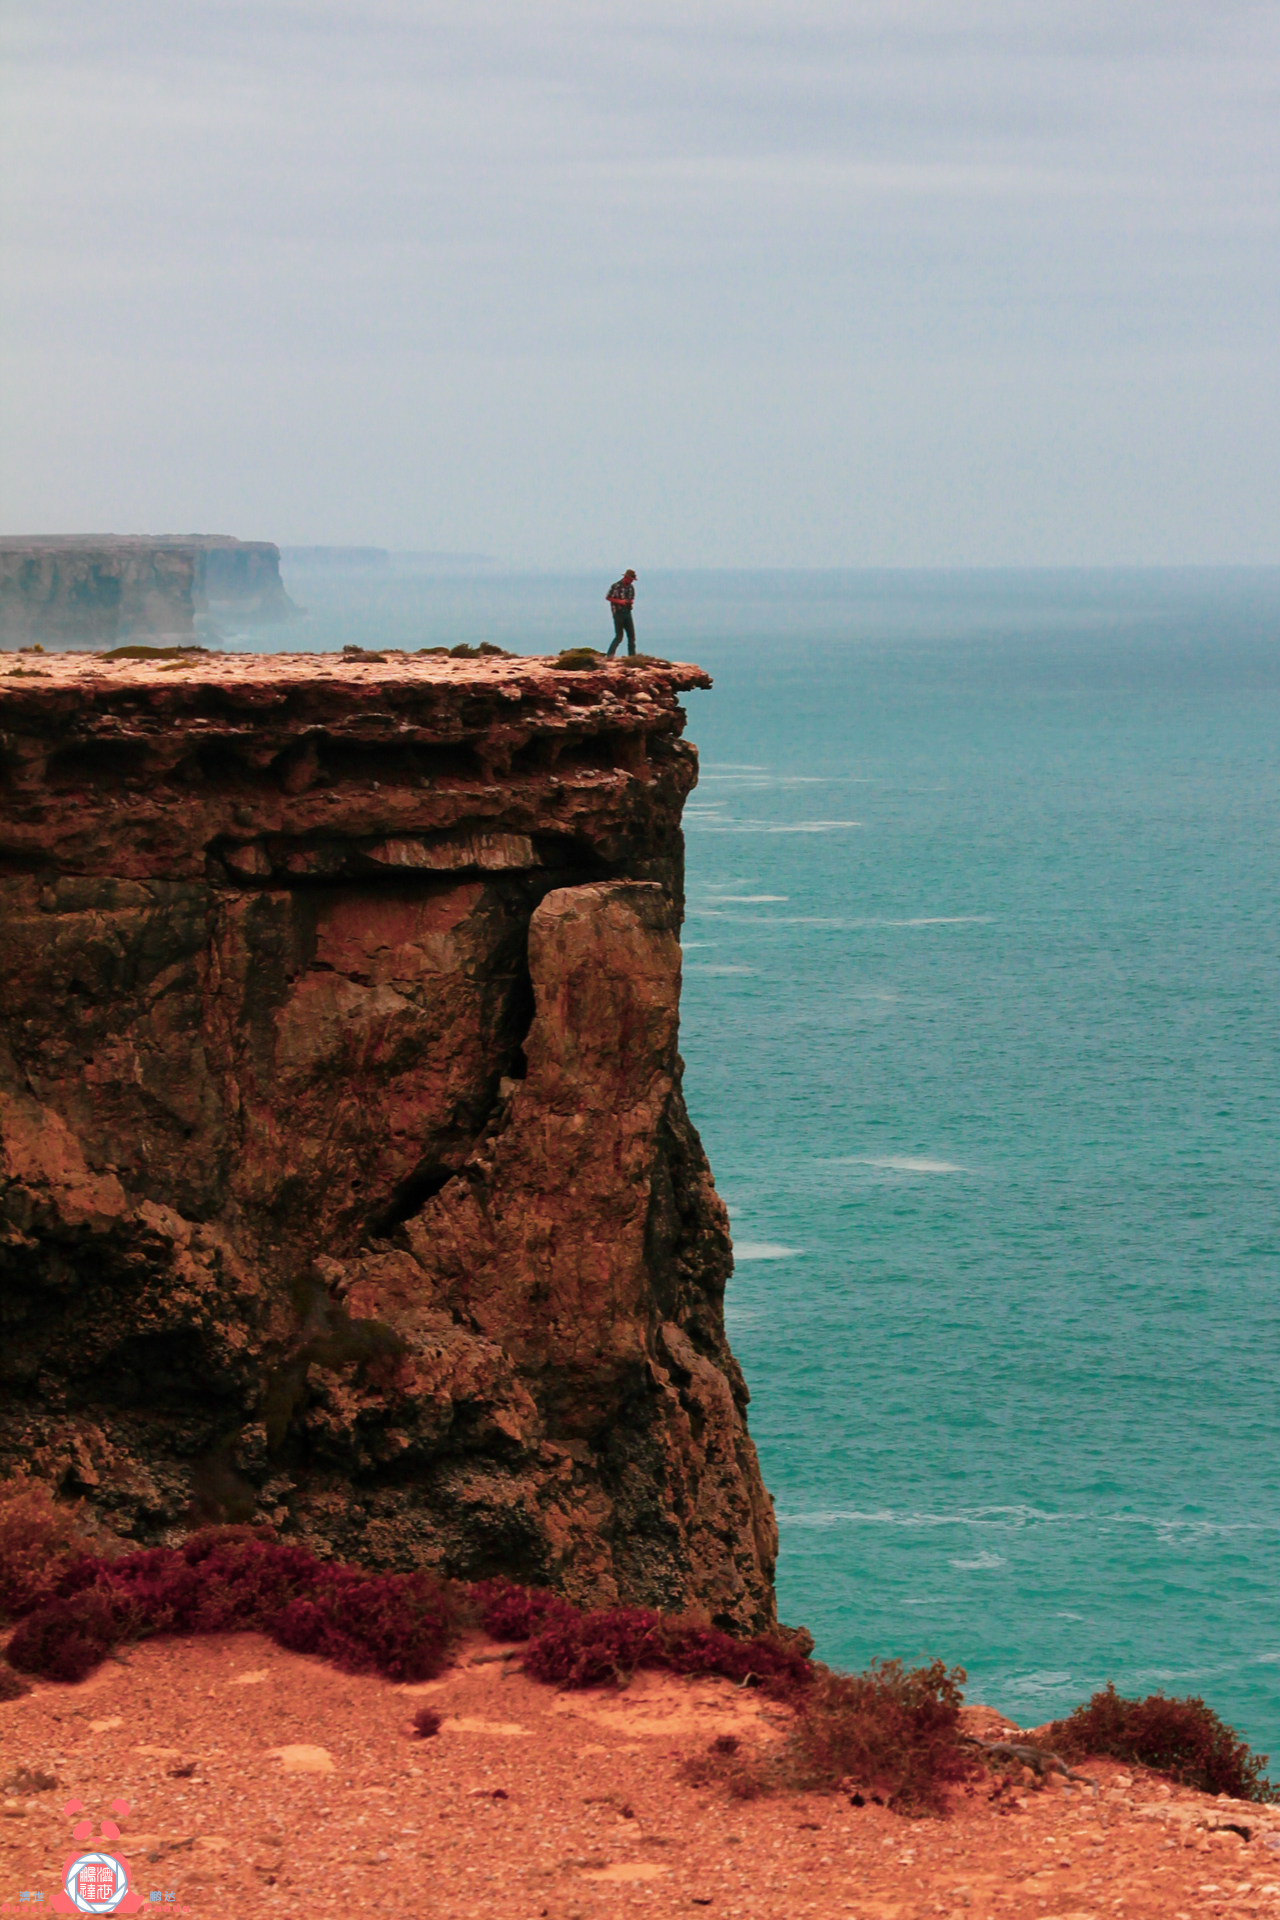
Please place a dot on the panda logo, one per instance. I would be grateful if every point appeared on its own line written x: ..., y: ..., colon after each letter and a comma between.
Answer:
x: 96, y: 1881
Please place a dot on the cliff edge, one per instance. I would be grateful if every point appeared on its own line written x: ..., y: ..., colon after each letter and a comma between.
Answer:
x: 345, y: 1175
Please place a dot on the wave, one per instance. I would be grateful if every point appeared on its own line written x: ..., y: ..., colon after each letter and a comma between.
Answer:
x: 843, y: 923
x: 1171, y: 1531
x: 1014, y: 1517
x: 765, y: 1250
x: 698, y: 967
x: 778, y: 826
x: 1038, y: 1686
x: 899, y: 1163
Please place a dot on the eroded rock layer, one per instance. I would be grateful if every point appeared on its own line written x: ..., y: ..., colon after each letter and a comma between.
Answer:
x: 345, y: 1175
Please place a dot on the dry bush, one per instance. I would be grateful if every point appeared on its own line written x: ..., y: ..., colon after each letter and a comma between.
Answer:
x: 744, y: 1774
x: 893, y: 1731
x: 39, y: 1539
x: 1182, y: 1738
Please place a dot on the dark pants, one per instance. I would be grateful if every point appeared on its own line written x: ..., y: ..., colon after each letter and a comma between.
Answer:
x: 623, y: 623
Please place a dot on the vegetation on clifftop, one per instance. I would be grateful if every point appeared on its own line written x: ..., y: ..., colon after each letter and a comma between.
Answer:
x: 892, y: 1732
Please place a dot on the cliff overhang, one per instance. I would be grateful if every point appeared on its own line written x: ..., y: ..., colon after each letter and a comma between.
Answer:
x: 345, y: 1173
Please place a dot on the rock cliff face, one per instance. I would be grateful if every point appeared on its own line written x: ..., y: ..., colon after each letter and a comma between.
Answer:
x: 85, y: 593
x: 240, y: 577
x: 94, y: 591
x: 345, y: 1175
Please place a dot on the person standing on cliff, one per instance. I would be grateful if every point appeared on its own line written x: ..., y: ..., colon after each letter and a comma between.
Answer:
x: 622, y: 597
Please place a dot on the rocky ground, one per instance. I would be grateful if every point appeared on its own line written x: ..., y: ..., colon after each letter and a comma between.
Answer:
x: 261, y: 1782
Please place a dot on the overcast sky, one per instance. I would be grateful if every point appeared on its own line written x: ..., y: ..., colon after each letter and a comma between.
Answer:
x: 669, y: 282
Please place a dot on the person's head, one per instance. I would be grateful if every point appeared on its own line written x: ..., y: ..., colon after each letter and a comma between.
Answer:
x: 630, y: 574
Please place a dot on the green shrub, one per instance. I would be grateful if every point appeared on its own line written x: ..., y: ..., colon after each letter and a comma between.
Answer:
x: 137, y: 651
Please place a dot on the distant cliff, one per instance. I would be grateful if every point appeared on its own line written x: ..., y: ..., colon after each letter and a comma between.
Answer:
x: 345, y: 1174
x: 96, y: 591
x: 240, y: 577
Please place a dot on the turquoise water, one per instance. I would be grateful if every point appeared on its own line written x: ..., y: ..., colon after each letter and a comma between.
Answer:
x: 982, y: 1023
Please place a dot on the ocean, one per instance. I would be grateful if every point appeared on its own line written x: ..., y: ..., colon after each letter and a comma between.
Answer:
x: 982, y: 1028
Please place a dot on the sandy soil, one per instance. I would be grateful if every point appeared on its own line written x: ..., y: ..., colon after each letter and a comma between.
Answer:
x: 261, y: 1782
x: 77, y: 668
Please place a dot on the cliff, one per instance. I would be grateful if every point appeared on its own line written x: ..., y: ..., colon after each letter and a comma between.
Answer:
x: 240, y: 579
x: 345, y: 1175
x: 98, y: 590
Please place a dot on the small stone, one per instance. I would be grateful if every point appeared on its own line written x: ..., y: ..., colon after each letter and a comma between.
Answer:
x: 32, y: 1780
x: 303, y: 1759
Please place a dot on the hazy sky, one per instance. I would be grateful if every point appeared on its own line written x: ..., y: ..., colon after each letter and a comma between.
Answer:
x: 780, y: 282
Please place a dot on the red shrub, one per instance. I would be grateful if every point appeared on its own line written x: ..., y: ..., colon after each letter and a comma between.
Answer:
x: 84, y: 1571
x: 400, y: 1625
x: 593, y: 1649
x: 302, y: 1627
x: 215, y: 1584
x: 697, y: 1649
x: 426, y: 1722
x: 225, y: 1579
x: 569, y: 1648
x: 397, y: 1624
x: 1183, y: 1738
x: 509, y: 1612
x: 67, y: 1639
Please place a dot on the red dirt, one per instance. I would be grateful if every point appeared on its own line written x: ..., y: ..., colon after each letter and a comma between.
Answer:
x: 263, y: 1782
